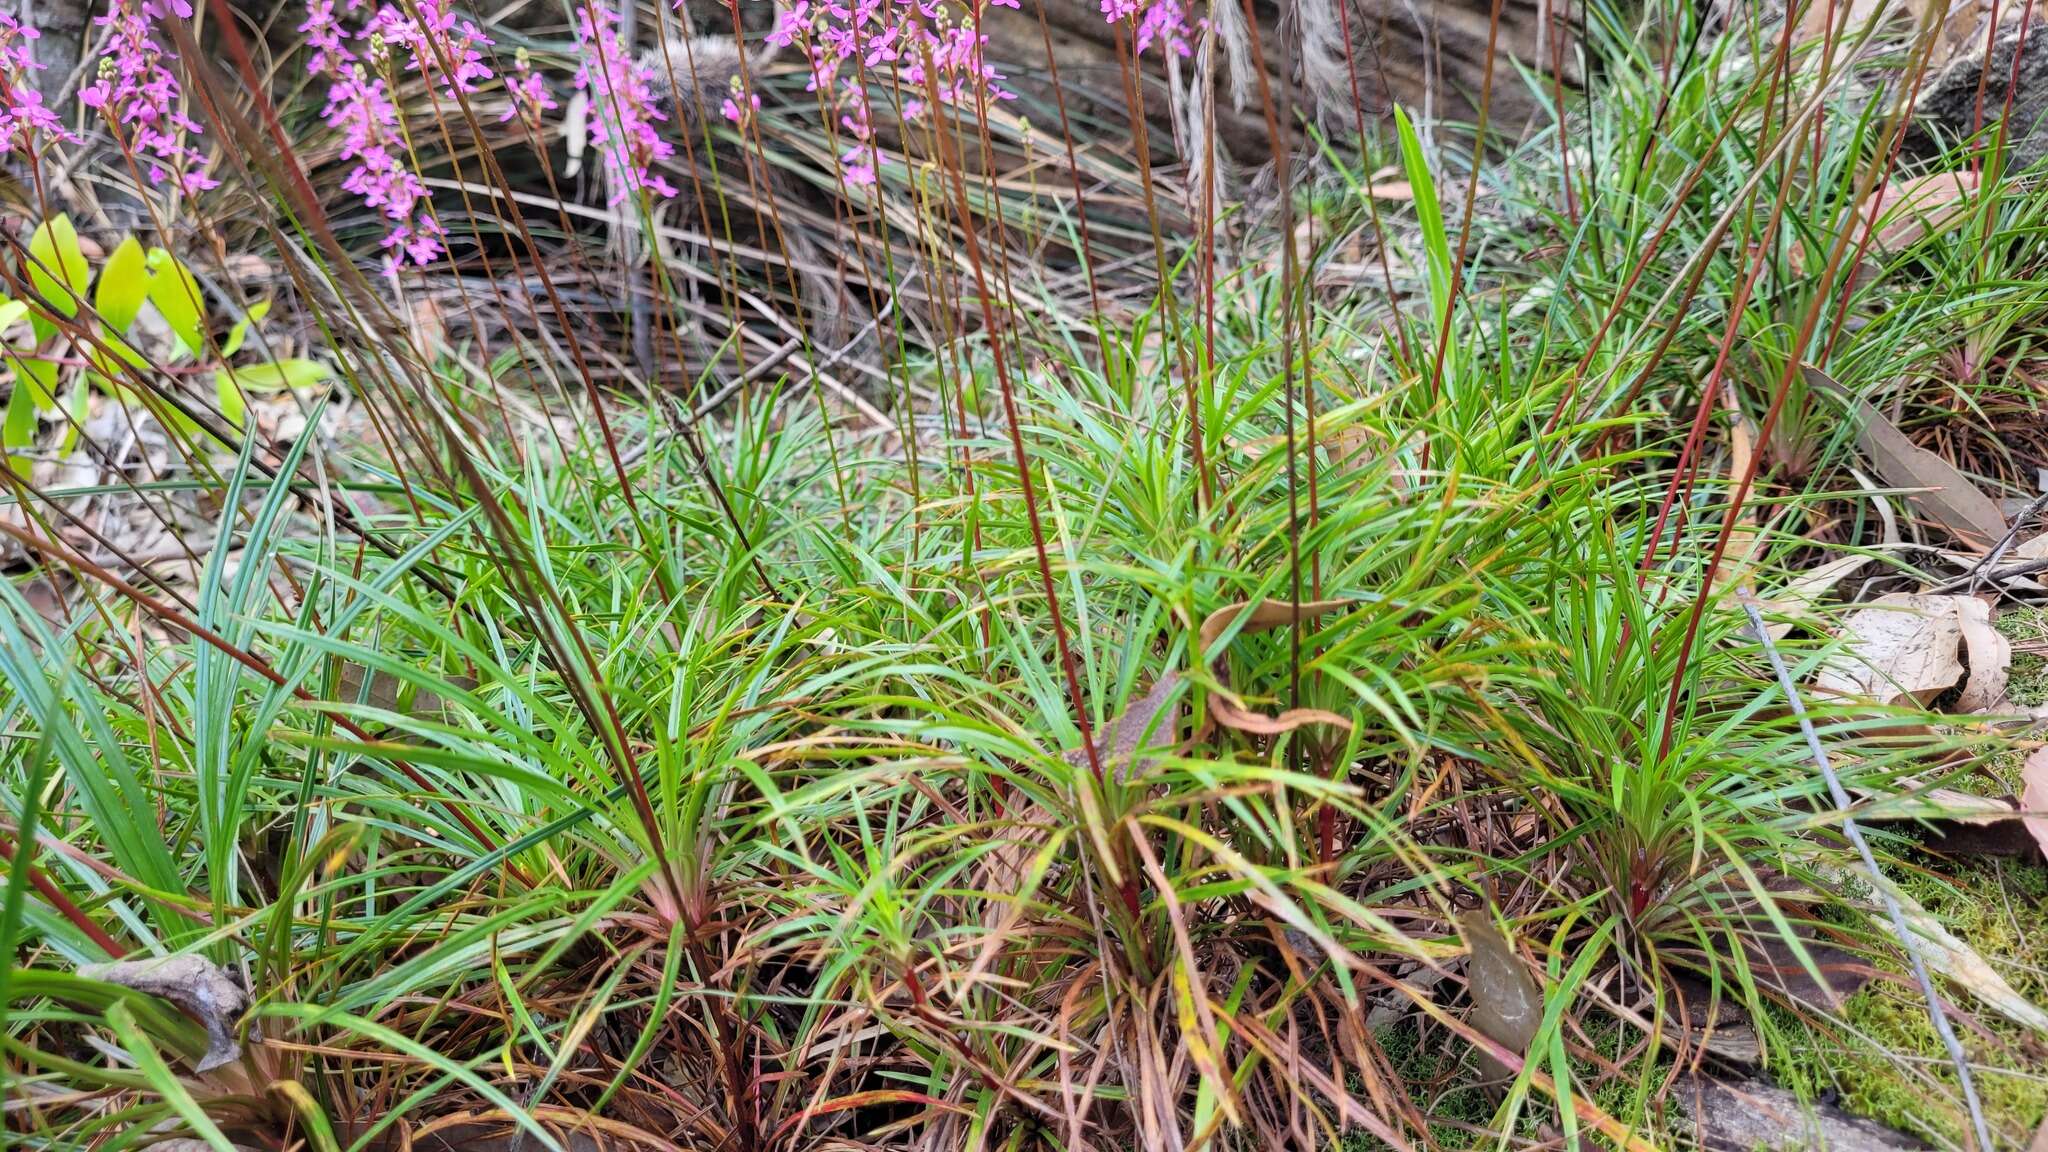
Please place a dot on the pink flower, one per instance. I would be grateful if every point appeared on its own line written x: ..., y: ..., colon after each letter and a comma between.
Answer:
x: 1163, y: 21
x: 529, y: 92
x: 360, y: 108
x: 732, y: 109
x: 140, y: 96
x: 22, y: 114
x: 922, y: 45
x: 436, y: 36
x: 622, y: 98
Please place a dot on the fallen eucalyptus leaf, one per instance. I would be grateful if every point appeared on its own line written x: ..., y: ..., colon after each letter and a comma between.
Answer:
x: 1933, y: 485
x: 1777, y: 967
x: 1797, y: 597
x: 1990, y: 656
x: 1963, y: 965
x: 391, y: 694
x: 1908, y: 210
x: 1507, y: 1007
x: 1957, y: 823
x: 1118, y: 741
x: 2034, y: 796
x: 1910, y: 645
x: 195, y: 984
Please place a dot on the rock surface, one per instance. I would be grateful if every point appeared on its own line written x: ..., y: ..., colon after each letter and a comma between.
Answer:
x: 1948, y: 105
x: 1751, y: 1114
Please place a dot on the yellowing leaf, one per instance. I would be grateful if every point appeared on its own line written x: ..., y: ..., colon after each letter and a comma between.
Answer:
x: 230, y: 384
x: 240, y: 332
x: 228, y: 398
x: 56, y: 265
x: 277, y: 375
x: 123, y: 285
x: 176, y: 296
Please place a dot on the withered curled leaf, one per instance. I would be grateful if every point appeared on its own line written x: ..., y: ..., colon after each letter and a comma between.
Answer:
x: 195, y: 984
x: 1226, y: 709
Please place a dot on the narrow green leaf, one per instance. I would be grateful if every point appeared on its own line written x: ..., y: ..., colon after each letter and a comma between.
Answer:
x: 151, y: 1064
x: 1430, y: 217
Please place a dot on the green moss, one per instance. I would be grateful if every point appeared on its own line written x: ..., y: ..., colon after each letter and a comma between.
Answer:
x: 1440, y: 1075
x: 2028, y: 685
x: 1439, y: 1081
x: 1884, y: 1059
x: 1881, y: 1059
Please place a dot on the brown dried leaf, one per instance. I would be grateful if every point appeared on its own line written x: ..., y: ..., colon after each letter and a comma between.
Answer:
x: 1990, y: 656
x: 1738, y: 566
x: 1117, y: 741
x: 1908, y: 210
x: 1901, y: 644
x: 390, y: 694
x: 2034, y: 796
x: 1778, y: 968
x: 1933, y: 485
x: 1799, y: 596
x: 1905, y: 644
x: 196, y: 985
x: 1507, y: 1006
x: 1226, y: 709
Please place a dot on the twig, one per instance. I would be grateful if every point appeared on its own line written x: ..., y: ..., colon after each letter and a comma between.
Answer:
x: 1998, y: 551
x: 1891, y: 903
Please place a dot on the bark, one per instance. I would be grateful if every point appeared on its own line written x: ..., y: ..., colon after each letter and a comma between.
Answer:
x: 1972, y: 92
x: 66, y: 26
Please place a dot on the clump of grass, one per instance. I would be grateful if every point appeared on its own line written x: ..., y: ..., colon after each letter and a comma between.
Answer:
x: 797, y: 772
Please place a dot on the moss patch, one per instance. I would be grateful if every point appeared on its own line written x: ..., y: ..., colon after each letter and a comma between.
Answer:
x: 2028, y: 686
x: 1885, y: 1060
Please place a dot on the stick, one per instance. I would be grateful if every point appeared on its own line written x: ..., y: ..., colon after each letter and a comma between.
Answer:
x: 1891, y: 904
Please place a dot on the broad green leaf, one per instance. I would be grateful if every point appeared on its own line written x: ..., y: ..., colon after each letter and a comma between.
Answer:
x: 229, y: 398
x: 56, y: 265
x: 122, y: 287
x: 76, y: 404
x: 110, y: 366
x: 176, y: 295
x: 20, y: 430
x: 240, y: 331
x: 275, y: 376
x: 40, y: 376
x: 11, y: 312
